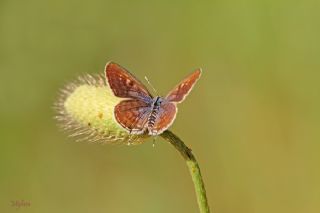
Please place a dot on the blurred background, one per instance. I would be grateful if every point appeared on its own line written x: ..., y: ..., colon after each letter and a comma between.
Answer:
x: 252, y: 120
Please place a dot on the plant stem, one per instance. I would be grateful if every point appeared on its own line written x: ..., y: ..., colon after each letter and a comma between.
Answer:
x: 193, y: 168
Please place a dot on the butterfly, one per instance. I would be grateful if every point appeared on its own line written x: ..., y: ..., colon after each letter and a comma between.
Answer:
x: 140, y: 112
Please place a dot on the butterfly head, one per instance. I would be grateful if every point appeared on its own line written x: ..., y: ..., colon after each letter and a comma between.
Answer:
x: 158, y: 101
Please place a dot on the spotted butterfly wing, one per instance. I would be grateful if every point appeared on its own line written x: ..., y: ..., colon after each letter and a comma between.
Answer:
x: 180, y: 92
x: 133, y: 115
x: 168, y: 109
x: 124, y: 84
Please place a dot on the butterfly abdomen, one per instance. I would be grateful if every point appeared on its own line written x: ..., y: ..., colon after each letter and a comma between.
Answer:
x: 153, y: 117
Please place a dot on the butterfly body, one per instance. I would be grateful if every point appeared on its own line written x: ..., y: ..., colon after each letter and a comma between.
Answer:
x: 140, y: 112
x: 156, y: 107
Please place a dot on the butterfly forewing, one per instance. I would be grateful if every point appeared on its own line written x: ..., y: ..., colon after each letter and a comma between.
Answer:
x: 124, y: 84
x: 132, y: 115
x: 165, y: 118
x: 179, y: 93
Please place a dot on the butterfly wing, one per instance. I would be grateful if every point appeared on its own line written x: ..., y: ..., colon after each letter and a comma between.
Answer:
x: 179, y: 93
x: 133, y: 115
x: 165, y: 118
x: 124, y: 84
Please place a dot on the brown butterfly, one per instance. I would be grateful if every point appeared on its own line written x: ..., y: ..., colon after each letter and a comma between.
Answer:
x: 140, y: 112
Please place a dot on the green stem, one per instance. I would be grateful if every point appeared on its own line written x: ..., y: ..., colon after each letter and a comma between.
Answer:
x: 193, y: 168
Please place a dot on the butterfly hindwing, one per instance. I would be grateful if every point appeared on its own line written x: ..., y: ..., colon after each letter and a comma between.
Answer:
x: 132, y: 115
x: 124, y: 84
x: 179, y: 93
x: 164, y: 118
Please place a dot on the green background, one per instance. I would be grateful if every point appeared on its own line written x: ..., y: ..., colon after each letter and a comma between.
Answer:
x: 252, y: 120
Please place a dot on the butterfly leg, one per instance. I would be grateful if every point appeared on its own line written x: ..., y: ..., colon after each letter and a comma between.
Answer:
x: 154, y: 141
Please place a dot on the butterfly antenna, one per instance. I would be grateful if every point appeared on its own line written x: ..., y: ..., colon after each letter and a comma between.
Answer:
x: 151, y: 85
